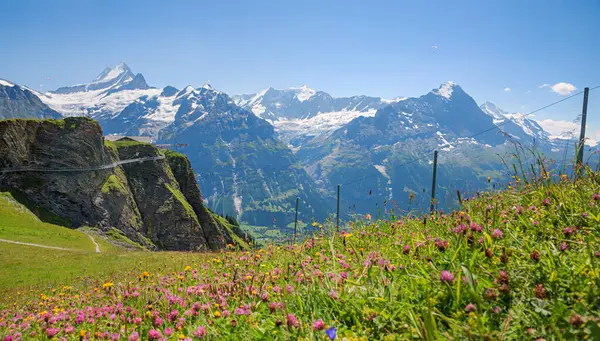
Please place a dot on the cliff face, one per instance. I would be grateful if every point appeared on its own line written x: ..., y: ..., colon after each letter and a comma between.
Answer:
x: 65, y: 172
x: 169, y: 219
x: 215, y: 234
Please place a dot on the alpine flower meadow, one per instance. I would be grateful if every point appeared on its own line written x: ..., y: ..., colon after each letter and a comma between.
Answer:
x: 522, y: 264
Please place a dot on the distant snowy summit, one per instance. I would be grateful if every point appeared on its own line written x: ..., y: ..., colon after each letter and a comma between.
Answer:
x: 124, y: 103
x: 119, y: 77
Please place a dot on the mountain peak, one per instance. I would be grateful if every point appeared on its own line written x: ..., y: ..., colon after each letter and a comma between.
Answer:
x: 304, y: 93
x: 186, y: 91
x: 110, y: 73
x: 446, y: 89
x: 492, y: 110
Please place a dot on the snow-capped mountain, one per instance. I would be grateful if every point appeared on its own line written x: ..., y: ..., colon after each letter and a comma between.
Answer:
x: 116, y: 78
x: 21, y: 102
x: 253, y: 154
x: 228, y: 146
x: 387, y: 156
x: 124, y: 103
x: 109, y: 93
x: 517, y: 125
x: 241, y: 165
x: 299, y: 114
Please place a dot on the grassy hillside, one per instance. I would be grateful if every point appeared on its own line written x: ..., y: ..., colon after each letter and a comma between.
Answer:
x: 25, y: 267
x: 522, y: 264
x: 17, y: 223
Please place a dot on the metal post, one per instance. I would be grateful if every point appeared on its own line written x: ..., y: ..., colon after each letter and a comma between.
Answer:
x: 459, y: 197
x: 337, y: 220
x: 435, y: 154
x: 586, y: 91
x: 296, y: 219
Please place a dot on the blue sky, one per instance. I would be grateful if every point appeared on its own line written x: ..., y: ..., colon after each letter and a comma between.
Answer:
x: 379, y: 48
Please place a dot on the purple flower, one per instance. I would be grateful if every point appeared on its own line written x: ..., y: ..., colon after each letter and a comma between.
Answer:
x: 442, y: 245
x: 568, y: 231
x: 51, y: 332
x: 476, y: 227
x: 460, y: 229
x: 318, y: 325
x: 291, y: 320
x: 470, y: 308
x: 446, y: 276
x: 200, y: 332
x: 154, y: 334
x: 331, y: 333
x: 134, y: 336
x: 333, y: 294
x: 497, y: 234
x: 546, y: 202
x: 563, y: 246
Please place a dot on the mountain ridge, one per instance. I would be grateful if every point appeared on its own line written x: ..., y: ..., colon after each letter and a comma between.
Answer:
x: 313, y: 139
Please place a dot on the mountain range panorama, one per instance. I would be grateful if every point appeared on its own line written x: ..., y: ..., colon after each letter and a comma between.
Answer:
x: 253, y: 154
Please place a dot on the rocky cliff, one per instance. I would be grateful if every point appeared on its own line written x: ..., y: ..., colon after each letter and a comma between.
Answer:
x: 182, y: 170
x: 65, y: 172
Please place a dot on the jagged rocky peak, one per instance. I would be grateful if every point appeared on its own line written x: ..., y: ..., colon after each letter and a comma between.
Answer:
x: 113, y: 72
x: 118, y: 77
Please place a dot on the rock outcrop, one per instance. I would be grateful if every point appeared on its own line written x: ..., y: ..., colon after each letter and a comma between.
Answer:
x: 214, y: 233
x: 64, y: 171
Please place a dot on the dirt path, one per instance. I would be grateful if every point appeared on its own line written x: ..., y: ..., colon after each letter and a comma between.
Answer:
x: 94, y: 241
x: 44, y: 246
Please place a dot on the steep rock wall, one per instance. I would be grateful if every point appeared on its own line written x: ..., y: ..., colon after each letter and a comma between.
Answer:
x: 169, y: 219
x: 65, y: 172
x: 78, y: 198
x: 182, y: 170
